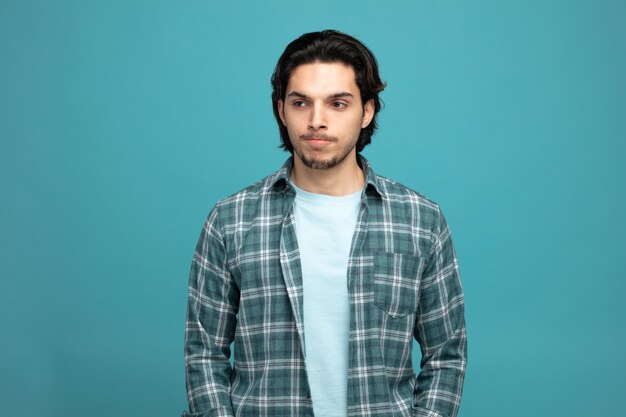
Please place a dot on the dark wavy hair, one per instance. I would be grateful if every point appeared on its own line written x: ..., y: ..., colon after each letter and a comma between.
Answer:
x: 329, y: 46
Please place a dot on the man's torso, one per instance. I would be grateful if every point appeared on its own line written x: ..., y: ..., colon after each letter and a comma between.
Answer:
x: 392, y: 239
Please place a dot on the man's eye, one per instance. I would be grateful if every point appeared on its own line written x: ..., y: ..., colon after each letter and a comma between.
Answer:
x: 339, y: 105
x: 298, y: 103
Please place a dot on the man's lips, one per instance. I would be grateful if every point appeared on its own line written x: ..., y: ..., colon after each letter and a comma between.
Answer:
x: 318, y: 140
x: 318, y: 143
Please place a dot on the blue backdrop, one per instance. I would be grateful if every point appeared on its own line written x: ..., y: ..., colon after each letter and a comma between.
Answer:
x: 122, y: 123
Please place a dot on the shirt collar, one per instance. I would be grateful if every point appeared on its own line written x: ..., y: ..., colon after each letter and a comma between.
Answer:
x: 280, y: 179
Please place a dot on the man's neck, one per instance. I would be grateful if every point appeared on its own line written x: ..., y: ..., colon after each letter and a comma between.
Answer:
x: 343, y: 179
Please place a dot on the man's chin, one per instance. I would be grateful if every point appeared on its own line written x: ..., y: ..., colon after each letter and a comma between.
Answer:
x: 321, y: 163
x: 317, y: 163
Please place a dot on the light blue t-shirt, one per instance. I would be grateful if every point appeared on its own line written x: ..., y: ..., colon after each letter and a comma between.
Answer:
x: 324, y: 228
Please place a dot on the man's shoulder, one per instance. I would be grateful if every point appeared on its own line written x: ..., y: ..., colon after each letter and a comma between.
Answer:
x: 400, y: 194
x: 271, y: 186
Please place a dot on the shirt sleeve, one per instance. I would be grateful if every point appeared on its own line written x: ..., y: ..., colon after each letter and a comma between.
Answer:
x: 210, y: 326
x: 440, y: 331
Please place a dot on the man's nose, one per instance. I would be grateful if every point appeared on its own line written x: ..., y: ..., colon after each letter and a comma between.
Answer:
x: 317, y: 117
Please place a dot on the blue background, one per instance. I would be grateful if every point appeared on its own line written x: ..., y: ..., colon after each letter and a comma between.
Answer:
x: 122, y: 123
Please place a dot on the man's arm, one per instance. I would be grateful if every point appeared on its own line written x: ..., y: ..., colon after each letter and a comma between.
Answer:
x: 211, y: 321
x: 440, y: 331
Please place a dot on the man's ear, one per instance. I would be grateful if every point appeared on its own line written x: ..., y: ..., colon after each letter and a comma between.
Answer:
x: 368, y: 113
x: 281, y: 113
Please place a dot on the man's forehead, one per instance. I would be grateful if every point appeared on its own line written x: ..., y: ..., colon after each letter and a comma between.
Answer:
x: 323, y: 77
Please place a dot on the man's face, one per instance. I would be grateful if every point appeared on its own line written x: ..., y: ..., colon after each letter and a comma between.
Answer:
x: 324, y: 114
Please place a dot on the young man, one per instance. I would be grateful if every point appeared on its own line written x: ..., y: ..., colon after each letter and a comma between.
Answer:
x: 323, y: 273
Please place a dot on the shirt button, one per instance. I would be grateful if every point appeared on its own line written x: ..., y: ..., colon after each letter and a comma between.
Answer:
x: 307, y: 395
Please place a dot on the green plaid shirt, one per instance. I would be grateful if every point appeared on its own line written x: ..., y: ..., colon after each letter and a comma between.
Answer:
x: 245, y: 286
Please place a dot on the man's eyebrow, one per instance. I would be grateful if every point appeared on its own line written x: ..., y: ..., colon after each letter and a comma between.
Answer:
x: 332, y: 96
x: 296, y: 94
x: 341, y: 95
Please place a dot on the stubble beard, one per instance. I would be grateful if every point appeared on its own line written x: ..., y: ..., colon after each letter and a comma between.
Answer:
x: 327, y: 163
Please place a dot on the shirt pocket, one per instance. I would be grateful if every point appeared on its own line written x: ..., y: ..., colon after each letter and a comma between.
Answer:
x: 396, y: 282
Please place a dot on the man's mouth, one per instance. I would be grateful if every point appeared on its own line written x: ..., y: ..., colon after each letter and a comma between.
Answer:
x: 317, y: 139
x: 318, y: 143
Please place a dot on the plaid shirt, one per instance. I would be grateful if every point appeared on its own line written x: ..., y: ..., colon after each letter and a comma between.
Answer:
x: 246, y: 286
